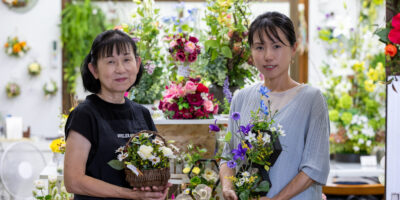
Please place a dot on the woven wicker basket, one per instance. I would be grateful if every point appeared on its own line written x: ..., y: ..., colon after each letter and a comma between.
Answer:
x: 151, y: 177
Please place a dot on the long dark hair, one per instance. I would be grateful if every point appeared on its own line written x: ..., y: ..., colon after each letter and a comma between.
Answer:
x: 102, y: 47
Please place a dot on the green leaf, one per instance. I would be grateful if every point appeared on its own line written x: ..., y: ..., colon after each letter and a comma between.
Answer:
x: 214, y: 55
x: 228, y: 137
x: 210, y: 44
x: 263, y: 187
x: 116, y: 164
x: 226, y: 52
x: 47, y: 197
x: 244, y: 195
x: 383, y: 34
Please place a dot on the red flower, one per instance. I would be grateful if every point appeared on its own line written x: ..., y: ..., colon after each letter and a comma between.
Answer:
x: 199, y: 113
x: 202, y: 88
x: 195, y: 99
x: 194, y: 80
x: 396, y: 21
x: 390, y: 50
x: 180, y: 42
x: 180, y: 55
x: 192, y: 57
x: 215, y: 109
x: 193, y: 39
x: 173, y: 107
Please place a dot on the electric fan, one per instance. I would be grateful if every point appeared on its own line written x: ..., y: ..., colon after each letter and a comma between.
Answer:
x: 21, y: 164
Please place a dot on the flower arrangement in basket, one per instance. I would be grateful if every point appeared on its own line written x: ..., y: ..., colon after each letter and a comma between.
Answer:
x: 34, y: 69
x: 15, y: 3
x: 145, y: 159
x: 14, y: 47
x: 50, y: 88
x: 257, y: 151
x: 188, y: 100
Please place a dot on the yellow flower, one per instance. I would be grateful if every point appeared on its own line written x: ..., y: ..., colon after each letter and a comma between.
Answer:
x: 196, y: 170
x: 358, y: 66
x: 186, y: 170
x: 266, y: 167
x: 252, y: 179
x: 58, y: 145
x: 369, y: 85
x: 231, y: 178
x: 381, y: 71
x: 372, y: 74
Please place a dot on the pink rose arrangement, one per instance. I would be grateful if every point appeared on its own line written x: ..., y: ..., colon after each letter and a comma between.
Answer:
x: 184, y: 48
x: 188, y: 100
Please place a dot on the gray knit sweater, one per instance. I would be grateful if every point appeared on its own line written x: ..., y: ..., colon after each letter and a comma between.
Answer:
x: 306, y: 144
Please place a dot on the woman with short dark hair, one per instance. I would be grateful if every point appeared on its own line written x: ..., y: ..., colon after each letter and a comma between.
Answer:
x: 303, y: 165
x: 105, y: 121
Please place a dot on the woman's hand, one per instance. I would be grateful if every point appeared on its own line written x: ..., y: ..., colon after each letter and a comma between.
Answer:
x: 229, y: 194
x: 152, y: 193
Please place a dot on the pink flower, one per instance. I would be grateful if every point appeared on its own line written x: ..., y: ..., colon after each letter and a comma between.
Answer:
x: 192, y: 57
x: 190, y: 87
x: 208, y: 105
x: 180, y: 55
x: 394, y: 34
x: 172, y: 44
x: 193, y: 39
x: 190, y: 47
x: 126, y: 94
x: 396, y: 21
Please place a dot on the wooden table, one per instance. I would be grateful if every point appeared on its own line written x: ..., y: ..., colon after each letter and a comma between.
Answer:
x: 369, y: 189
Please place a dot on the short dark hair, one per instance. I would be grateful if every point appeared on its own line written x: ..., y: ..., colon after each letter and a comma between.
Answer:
x: 103, y: 46
x: 269, y: 22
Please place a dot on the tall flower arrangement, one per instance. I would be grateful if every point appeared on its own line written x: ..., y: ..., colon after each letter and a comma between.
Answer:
x: 146, y: 31
x: 354, y: 86
x: 227, y: 49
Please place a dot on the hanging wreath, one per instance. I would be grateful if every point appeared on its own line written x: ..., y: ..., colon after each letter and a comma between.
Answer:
x: 16, y: 3
x: 50, y: 88
x: 14, y: 47
x: 12, y: 90
x: 34, y: 69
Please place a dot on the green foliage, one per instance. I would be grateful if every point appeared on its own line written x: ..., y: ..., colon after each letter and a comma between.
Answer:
x: 227, y: 50
x: 81, y: 23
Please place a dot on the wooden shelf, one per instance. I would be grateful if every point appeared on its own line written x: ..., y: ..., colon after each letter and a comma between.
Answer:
x: 368, y: 189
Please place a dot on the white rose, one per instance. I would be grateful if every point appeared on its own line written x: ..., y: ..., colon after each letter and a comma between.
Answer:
x: 167, y: 152
x: 145, y: 152
x: 52, y: 179
x: 210, y: 175
x: 39, y: 184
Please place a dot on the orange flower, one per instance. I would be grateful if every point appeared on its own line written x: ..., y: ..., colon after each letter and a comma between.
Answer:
x: 391, y: 50
x: 23, y: 44
x: 16, y: 48
x: 6, y: 45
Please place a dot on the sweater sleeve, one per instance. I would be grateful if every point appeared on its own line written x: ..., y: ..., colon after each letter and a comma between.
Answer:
x: 315, y: 158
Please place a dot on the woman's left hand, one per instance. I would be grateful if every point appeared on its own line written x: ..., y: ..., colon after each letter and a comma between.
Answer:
x: 154, y: 188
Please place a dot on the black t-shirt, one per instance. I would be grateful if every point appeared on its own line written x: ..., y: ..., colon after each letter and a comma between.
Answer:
x: 107, y: 126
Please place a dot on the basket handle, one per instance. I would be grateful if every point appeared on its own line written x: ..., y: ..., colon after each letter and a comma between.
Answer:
x: 144, y: 131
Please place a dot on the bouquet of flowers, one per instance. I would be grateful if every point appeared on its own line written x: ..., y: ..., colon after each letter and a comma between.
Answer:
x: 15, y: 3
x: 188, y: 100
x: 257, y: 151
x: 184, y: 48
x: 202, y: 174
x: 14, y: 47
x: 12, y: 90
x: 145, y: 159
x: 50, y: 88
x: 55, y: 189
x: 34, y: 69
x: 58, y: 145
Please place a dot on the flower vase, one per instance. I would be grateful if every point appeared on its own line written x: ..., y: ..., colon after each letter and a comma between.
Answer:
x: 183, y: 70
x: 58, y: 160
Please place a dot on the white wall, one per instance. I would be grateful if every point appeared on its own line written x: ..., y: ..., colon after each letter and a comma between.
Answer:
x: 39, y: 27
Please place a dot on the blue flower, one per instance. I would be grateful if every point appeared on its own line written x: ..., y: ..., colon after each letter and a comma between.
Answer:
x: 264, y: 108
x: 246, y: 129
x: 214, y: 127
x: 240, y: 152
x: 235, y: 116
x: 264, y: 90
x: 231, y: 164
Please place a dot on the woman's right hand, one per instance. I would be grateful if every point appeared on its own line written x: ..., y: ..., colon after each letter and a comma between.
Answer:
x: 229, y: 194
x: 147, y: 195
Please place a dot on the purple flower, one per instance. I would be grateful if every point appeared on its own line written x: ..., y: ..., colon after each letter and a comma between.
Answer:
x: 214, y: 127
x: 135, y: 39
x: 246, y: 129
x: 239, y: 152
x: 235, y: 116
x: 227, y: 92
x: 231, y: 164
